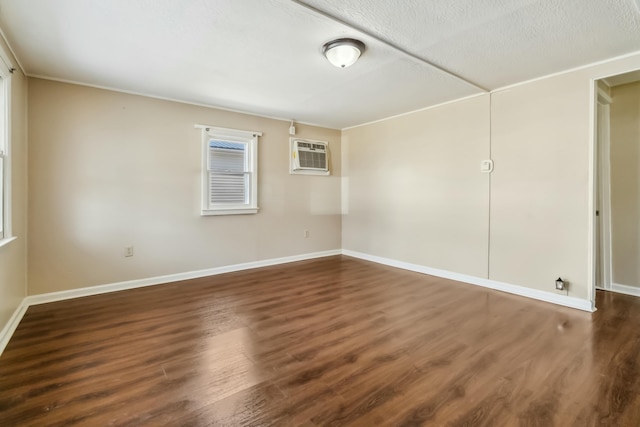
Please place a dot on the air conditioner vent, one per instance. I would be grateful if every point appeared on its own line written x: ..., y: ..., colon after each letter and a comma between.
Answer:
x: 309, y: 157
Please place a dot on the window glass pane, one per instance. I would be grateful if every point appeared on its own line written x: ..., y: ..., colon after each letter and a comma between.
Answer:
x: 228, y: 188
x: 3, y: 116
x: 227, y: 157
x: 4, y: 204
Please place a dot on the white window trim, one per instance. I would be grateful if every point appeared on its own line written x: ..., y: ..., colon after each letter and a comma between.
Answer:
x: 6, y: 234
x: 234, y: 135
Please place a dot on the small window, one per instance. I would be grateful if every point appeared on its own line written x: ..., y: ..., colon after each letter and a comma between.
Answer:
x: 5, y: 151
x: 229, y: 171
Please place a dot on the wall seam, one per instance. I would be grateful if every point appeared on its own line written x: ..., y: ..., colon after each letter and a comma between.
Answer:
x: 489, y: 205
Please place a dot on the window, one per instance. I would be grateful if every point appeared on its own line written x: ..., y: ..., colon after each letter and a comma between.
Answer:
x: 5, y: 160
x: 229, y: 171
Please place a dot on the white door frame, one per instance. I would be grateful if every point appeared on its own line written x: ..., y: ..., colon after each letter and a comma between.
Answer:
x: 604, y: 187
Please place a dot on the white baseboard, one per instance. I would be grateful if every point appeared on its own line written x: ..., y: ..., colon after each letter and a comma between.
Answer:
x: 578, y: 303
x: 11, y: 326
x: 624, y: 289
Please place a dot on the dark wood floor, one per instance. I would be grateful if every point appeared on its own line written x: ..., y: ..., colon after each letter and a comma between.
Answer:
x: 335, y: 341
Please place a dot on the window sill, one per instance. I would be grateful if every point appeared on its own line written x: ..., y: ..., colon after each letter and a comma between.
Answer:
x: 4, y: 242
x: 242, y: 211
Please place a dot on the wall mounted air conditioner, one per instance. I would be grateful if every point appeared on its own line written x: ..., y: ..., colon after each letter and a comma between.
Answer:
x: 309, y: 157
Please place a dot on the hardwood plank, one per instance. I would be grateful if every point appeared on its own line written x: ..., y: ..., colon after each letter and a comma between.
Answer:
x: 247, y: 407
x: 332, y: 341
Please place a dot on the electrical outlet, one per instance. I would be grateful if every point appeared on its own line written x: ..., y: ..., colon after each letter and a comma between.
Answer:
x: 128, y: 251
x: 306, y: 233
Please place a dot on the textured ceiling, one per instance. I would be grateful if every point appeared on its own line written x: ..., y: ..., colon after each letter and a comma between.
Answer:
x: 264, y: 56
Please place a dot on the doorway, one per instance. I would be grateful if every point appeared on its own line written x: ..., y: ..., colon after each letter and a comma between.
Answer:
x: 617, y: 184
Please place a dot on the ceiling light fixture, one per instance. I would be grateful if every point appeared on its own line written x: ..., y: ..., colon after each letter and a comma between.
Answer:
x: 343, y: 52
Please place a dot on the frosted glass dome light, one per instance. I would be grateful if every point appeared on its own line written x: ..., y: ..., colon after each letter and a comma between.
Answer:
x: 343, y: 53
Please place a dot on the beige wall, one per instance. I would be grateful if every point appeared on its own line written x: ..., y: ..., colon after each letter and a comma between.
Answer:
x: 414, y: 188
x: 540, y: 191
x: 625, y: 184
x: 13, y: 257
x: 108, y: 170
x: 540, y: 187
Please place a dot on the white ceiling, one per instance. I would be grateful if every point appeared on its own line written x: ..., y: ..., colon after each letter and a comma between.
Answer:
x: 264, y: 56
